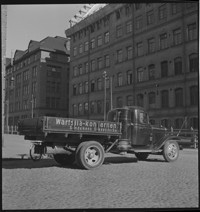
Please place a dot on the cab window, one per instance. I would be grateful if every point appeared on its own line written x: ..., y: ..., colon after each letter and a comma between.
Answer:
x: 143, y: 118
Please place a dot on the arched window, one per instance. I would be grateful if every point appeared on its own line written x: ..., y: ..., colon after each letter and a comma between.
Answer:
x: 86, y: 108
x: 140, y: 100
x: 119, y: 79
x: 129, y: 100
x: 164, y: 69
x: 179, y: 97
x: 194, y: 95
x: 151, y: 69
x: 86, y: 87
x: 119, y: 102
x: 152, y: 99
x: 193, y: 62
x: 99, y: 84
x: 178, y: 123
x: 80, y: 88
x: 165, y: 99
x: 177, y: 65
x: 92, y: 107
x: 80, y: 108
x: 74, y: 108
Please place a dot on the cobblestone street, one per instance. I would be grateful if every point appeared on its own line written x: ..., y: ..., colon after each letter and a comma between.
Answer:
x: 121, y: 182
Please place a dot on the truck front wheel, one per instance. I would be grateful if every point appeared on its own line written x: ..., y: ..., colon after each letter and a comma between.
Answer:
x: 64, y: 159
x: 142, y: 155
x: 90, y: 155
x: 171, y: 151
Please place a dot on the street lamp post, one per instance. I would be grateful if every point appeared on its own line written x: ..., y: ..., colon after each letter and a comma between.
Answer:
x: 105, y: 78
x: 32, y: 106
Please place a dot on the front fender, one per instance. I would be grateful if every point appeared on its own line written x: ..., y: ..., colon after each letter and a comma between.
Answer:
x: 162, y: 141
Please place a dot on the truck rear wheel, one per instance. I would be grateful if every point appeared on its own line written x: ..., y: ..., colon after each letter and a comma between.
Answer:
x: 141, y: 155
x: 90, y: 155
x: 64, y: 159
x: 171, y: 151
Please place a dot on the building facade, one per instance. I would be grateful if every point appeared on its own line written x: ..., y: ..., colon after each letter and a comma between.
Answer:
x: 37, y: 81
x: 149, y: 54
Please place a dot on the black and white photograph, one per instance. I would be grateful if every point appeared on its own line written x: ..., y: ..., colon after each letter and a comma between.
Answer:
x: 100, y: 106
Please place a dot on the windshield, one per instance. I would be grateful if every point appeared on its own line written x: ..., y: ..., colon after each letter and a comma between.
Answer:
x: 119, y: 115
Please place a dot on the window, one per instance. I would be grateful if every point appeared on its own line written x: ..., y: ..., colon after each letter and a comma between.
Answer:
x: 25, y: 89
x: 151, y: 45
x: 194, y: 123
x: 128, y: 27
x: 165, y: 123
x: 192, y: 31
x: 177, y: 65
x: 81, y: 48
x: 74, y: 90
x: 194, y: 95
x: 93, y: 43
x: 80, y: 108
x: 138, y: 6
x: 162, y: 12
x: 80, y: 69
x: 74, y: 108
x: 129, y: 52
x: 151, y: 70
x: 178, y: 123
x: 99, y: 106
x: 34, y: 71
x: 93, y: 65
x: 140, y: 100
x: 86, y: 67
x: 92, y: 107
x: 119, y: 79
x: 80, y: 88
x: 179, y: 97
x: 129, y: 77
x: 139, y: 49
x: 86, y: 46
x: 150, y: 17
x: 176, y: 8
x: 106, y: 37
x: 140, y: 74
x: 193, y: 62
x: 164, y: 99
x: 106, y: 20
x: 118, y: 15
x: 75, y: 71
x: 119, y: 31
x: 164, y: 69
x: 128, y: 11
x: 163, y: 41
x: 152, y: 99
x: 100, y: 63
x: 138, y: 22
x: 92, y: 86
x: 75, y: 51
x: 119, y: 56
x: 129, y: 100
x: 86, y: 108
x: 25, y: 75
x: 107, y: 60
x: 99, y: 40
x: 86, y: 87
x: 99, y: 84
x: 33, y: 87
x: 119, y: 102
x: 177, y: 37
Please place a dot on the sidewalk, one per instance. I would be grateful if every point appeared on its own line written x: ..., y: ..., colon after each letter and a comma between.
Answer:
x: 14, y: 145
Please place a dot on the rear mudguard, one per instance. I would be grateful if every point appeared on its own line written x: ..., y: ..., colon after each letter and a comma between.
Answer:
x: 162, y: 141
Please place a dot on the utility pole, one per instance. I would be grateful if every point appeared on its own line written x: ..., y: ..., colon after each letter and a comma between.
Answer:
x: 105, y: 78
x: 111, y: 93
x: 32, y: 106
x: 3, y: 62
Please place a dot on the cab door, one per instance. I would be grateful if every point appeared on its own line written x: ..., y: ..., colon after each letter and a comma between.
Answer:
x: 141, y: 129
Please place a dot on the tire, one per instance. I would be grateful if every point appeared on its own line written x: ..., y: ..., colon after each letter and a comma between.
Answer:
x: 35, y: 156
x: 171, y: 151
x: 90, y: 155
x: 64, y: 159
x: 77, y: 158
x: 142, y: 155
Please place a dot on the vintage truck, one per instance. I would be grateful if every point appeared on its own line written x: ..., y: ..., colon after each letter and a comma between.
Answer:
x: 85, y: 142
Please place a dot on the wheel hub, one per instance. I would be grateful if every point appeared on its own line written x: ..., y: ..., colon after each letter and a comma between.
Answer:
x: 91, y: 156
x: 172, y: 151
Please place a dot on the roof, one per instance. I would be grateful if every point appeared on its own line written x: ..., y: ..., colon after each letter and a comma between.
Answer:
x: 55, y: 44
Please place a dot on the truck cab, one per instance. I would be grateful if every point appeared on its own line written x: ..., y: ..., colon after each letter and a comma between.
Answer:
x: 136, y: 129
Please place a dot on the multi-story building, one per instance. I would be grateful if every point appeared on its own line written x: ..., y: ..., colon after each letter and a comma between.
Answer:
x: 37, y: 81
x: 149, y: 52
